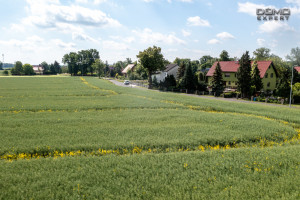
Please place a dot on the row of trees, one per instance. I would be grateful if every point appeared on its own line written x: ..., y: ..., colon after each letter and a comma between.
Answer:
x: 20, y: 69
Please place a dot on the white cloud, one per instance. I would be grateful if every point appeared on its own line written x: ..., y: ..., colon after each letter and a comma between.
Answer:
x: 82, y: 37
x: 148, y: 36
x: 250, y: 8
x: 294, y: 2
x: 48, y: 14
x: 214, y: 41
x: 99, y: 1
x: 113, y: 45
x: 185, y: 33
x: 225, y: 35
x: 64, y: 45
x: 260, y: 42
x: 82, y: 1
x: 273, y: 26
x: 197, y: 21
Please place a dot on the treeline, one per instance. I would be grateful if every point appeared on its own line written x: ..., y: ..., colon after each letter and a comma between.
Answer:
x: 27, y: 69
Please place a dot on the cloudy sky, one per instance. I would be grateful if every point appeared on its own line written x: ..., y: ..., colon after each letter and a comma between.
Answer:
x: 33, y: 31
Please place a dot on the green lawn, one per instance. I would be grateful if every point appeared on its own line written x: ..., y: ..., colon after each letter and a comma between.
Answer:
x: 161, y: 145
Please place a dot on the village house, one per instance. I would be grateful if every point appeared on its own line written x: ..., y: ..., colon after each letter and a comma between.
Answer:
x: 38, y: 69
x: 170, y: 69
x: 127, y: 68
x: 268, y: 74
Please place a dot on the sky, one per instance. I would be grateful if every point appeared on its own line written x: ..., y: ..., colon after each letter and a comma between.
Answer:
x: 33, y: 31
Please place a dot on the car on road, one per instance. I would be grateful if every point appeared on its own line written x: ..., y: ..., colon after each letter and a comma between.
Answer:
x: 126, y: 82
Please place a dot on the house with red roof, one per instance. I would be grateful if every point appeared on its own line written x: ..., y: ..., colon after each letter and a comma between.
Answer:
x: 268, y: 74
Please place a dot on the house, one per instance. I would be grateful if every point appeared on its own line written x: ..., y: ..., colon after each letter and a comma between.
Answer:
x: 38, y: 69
x: 297, y: 69
x: 171, y: 69
x: 127, y: 68
x: 268, y: 74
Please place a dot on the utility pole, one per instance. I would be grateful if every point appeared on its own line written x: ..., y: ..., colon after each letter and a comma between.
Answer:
x: 291, y: 85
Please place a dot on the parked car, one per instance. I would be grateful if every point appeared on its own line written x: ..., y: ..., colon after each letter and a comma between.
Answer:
x: 126, y: 82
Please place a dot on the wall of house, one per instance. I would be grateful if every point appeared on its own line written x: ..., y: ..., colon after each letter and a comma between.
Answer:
x: 229, y: 78
x: 173, y: 72
x: 160, y: 77
x: 269, y: 81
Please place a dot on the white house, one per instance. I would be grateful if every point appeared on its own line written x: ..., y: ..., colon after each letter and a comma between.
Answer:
x: 171, y: 69
x: 38, y: 69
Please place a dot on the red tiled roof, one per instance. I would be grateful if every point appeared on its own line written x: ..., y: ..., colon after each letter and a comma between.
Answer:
x: 233, y: 66
x: 298, y: 69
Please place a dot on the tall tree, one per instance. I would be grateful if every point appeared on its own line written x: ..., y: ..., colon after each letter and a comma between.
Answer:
x: 217, y: 81
x: 98, y: 66
x: 255, y: 78
x: 17, y: 69
x: 181, y: 70
x: 262, y: 53
x: 57, y: 67
x: 294, y: 56
x: 45, y: 67
x: 72, y: 60
x: 1, y: 65
x: 224, y: 56
x: 189, y: 79
x: 152, y: 60
x: 244, y: 75
x: 28, y: 69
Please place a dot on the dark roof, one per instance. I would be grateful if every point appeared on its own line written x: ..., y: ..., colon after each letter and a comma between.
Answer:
x: 232, y: 66
x: 169, y: 67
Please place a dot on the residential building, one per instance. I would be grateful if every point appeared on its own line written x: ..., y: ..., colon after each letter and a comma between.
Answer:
x: 268, y: 74
x: 170, y: 69
x: 38, y: 69
x: 297, y: 69
x: 127, y: 68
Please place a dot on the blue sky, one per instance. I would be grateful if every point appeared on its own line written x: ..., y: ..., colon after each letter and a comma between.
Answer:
x: 34, y: 31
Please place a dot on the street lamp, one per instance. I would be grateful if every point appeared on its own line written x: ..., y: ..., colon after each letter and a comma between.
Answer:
x: 291, y: 85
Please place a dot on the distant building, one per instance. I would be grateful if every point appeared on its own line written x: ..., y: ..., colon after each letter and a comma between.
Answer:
x: 268, y: 74
x: 38, y: 69
x: 170, y: 69
x: 127, y: 68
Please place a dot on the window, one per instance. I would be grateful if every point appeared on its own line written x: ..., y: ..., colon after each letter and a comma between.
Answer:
x: 271, y: 75
x: 268, y: 85
x: 235, y: 75
x: 229, y: 82
x: 266, y: 75
x: 227, y: 75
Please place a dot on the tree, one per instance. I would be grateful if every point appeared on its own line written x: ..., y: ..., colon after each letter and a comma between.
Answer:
x: 98, y: 66
x: 217, y: 81
x: 57, y: 67
x: 224, y: 56
x: 45, y: 67
x: 169, y: 82
x: 72, y: 60
x: 189, y: 79
x: 181, y: 70
x: 17, y: 69
x: 1, y: 65
x: 294, y: 56
x: 283, y: 89
x: 152, y: 60
x: 255, y: 78
x: 244, y: 75
x: 261, y: 53
x: 28, y: 69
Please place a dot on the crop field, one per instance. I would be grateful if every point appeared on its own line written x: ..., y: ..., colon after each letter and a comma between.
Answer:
x: 85, y: 138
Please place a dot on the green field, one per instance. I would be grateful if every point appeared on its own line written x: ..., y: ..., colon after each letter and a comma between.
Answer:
x: 85, y: 138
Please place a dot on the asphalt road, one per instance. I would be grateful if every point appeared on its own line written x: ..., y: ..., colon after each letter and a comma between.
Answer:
x: 209, y: 97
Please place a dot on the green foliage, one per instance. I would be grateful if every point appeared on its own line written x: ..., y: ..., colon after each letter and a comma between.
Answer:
x: 294, y: 56
x: 296, y: 92
x: 17, y: 69
x: 5, y: 72
x: 255, y: 78
x: 68, y: 114
x: 181, y: 70
x: 244, y: 75
x: 1, y: 65
x: 169, y: 82
x: 224, y: 56
x: 98, y: 66
x: 262, y: 53
x: 27, y: 69
x: 217, y: 81
x: 152, y: 60
x: 189, y: 81
x: 45, y: 67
